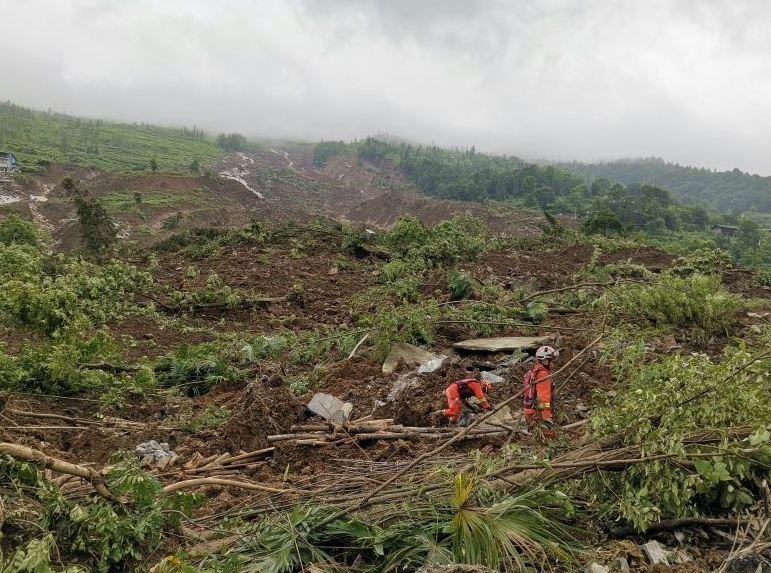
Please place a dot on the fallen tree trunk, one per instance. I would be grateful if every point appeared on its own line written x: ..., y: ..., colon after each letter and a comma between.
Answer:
x: 36, y: 456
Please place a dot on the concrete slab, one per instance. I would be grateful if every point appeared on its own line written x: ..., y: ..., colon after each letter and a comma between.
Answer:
x: 326, y: 406
x: 410, y: 355
x: 503, y: 344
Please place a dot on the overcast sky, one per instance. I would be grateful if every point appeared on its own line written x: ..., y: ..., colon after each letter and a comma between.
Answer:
x: 586, y: 80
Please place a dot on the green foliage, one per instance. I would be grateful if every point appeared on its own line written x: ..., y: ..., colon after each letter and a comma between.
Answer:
x: 35, y: 556
x: 724, y: 191
x: 203, y: 242
x: 702, y: 261
x: 662, y: 407
x: 327, y: 150
x: 419, y: 249
x: 53, y: 294
x: 196, y: 368
x: 262, y: 347
x: 603, y: 223
x: 214, y: 293
x: 39, y: 138
x: 54, y: 366
x: 211, y: 418
x: 354, y: 238
x: 468, y: 525
x: 762, y: 278
x: 97, y: 230
x: 509, y: 534
x: 460, y: 283
x: 411, y: 323
x: 91, y: 534
x: 693, y: 301
x: 463, y: 238
x: 14, y: 229
x: 406, y: 233
x: 232, y: 142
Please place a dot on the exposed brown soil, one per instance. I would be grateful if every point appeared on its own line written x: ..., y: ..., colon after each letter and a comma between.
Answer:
x: 313, y: 285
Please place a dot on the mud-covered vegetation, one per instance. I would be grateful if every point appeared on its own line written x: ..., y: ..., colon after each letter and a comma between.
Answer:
x: 215, y: 339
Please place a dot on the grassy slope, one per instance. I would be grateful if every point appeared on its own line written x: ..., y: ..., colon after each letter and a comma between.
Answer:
x: 39, y: 137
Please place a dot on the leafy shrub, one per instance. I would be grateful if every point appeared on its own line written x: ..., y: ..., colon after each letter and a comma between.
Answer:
x: 409, y: 323
x: 762, y: 278
x: 696, y: 300
x: 702, y: 261
x: 91, y: 534
x: 55, y: 367
x: 354, y: 238
x: 663, y: 408
x: 213, y: 293
x: 54, y: 293
x: 460, y: 283
x: 197, y: 368
x: 14, y: 229
x: 408, y: 232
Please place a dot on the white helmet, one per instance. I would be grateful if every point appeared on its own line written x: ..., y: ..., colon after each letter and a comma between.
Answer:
x: 546, y: 352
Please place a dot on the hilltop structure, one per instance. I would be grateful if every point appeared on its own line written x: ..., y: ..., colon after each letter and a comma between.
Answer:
x: 8, y: 163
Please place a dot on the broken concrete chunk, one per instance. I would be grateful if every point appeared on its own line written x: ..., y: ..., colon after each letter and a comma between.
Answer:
x: 325, y: 405
x: 409, y: 354
x: 430, y: 366
x: 342, y: 415
x: 656, y: 553
x: 490, y: 377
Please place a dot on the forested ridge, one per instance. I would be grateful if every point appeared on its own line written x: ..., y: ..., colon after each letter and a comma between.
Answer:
x: 726, y: 191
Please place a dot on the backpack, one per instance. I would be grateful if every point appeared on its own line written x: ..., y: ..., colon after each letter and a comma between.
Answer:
x: 463, y: 389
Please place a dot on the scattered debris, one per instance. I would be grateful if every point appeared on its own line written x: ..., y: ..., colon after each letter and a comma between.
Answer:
x: 411, y: 356
x: 155, y: 454
x: 330, y: 408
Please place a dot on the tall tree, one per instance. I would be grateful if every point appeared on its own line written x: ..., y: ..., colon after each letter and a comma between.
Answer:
x: 97, y: 230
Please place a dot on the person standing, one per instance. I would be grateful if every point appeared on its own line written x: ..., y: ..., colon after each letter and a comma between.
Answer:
x: 537, y: 395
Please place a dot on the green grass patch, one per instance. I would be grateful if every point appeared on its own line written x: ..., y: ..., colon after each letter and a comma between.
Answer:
x: 128, y: 200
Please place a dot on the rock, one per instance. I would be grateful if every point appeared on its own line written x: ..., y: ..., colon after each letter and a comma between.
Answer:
x: 621, y: 564
x: 325, y: 405
x: 152, y: 453
x: 491, y: 377
x: 656, y: 553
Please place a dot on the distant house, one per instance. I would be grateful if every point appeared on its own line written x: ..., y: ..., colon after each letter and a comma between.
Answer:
x: 728, y: 230
x: 8, y: 163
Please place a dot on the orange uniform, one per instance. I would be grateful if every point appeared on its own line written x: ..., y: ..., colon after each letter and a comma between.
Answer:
x: 537, y: 406
x: 458, y: 394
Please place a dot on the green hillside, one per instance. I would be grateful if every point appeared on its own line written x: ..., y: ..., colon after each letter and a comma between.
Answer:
x: 724, y: 191
x: 38, y: 138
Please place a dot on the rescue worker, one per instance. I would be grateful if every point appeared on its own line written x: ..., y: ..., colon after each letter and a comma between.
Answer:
x: 537, y: 396
x: 459, y: 403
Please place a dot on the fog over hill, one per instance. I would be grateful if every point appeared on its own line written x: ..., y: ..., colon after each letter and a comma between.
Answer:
x: 582, y: 81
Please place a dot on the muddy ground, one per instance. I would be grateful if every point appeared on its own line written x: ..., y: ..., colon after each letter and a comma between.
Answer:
x: 312, y: 285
